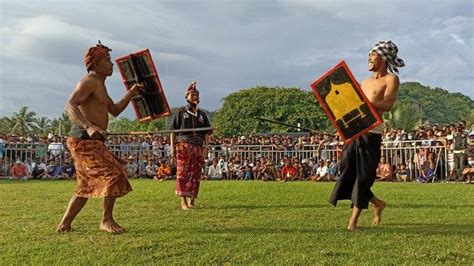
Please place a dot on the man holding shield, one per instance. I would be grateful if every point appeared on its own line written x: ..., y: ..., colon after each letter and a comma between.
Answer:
x: 361, y: 157
x: 100, y: 174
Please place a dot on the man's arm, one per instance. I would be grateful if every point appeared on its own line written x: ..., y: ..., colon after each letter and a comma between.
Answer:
x: 390, y: 94
x: 116, y: 108
x: 172, y: 145
x: 206, y: 144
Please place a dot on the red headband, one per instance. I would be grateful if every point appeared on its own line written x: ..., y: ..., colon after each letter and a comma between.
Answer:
x: 95, y: 54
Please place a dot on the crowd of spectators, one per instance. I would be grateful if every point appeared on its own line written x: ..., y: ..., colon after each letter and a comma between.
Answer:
x: 252, y: 157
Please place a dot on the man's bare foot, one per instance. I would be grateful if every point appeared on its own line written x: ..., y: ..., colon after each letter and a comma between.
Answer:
x: 185, y: 207
x: 64, y: 228
x: 191, y: 203
x: 352, y: 227
x: 378, y: 209
x: 111, y: 226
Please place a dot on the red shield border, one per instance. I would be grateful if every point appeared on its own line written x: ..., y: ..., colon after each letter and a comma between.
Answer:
x: 328, y: 111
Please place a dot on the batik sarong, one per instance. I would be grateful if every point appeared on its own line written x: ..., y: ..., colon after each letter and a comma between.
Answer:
x: 99, y: 172
x: 190, y: 161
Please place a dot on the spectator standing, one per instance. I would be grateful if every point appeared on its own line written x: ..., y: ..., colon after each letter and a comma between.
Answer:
x: 460, y: 150
x: 55, y: 148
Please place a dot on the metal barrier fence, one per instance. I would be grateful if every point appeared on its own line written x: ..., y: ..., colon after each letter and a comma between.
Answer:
x: 411, y: 153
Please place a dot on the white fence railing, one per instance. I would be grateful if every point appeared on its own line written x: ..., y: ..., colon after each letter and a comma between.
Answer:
x: 410, y: 153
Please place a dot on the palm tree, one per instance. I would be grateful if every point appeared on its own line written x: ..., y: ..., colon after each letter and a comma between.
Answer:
x: 61, y: 126
x: 24, y: 121
x: 65, y: 123
x: 43, y: 125
x: 404, y: 116
x: 6, y: 125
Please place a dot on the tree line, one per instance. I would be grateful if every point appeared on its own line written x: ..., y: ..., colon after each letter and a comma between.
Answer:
x: 416, y: 104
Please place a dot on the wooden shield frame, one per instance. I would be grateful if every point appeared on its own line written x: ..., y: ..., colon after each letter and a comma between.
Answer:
x: 151, y: 103
x: 345, y: 103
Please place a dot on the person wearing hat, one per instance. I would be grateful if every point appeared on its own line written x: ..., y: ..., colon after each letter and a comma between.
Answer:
x: 361, y: 157
x: 191, y: 147
x: 100, y: 174
x: 131, y: 167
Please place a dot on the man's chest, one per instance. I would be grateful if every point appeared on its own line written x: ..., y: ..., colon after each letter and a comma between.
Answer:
x: 374, y: 88
x: 99, y: 96
x: 192, y: 120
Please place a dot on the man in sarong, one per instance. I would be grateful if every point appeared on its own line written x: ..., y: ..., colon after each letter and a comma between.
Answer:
x: 100, y: 174
x: 361, y: 157
x: 191, y: 147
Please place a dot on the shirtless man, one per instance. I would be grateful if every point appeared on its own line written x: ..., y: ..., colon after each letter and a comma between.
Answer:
x: 358, y: 169
x: 99, y: 173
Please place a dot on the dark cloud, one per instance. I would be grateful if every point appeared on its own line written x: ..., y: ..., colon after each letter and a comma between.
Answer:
x: 226, y: 45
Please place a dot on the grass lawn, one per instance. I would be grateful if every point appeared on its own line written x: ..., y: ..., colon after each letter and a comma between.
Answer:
x: 239, y: 222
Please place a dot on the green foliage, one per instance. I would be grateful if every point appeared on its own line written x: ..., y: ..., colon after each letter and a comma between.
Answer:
x: 438, y: 105
x: 6, y: 125
x: 43, y: 126
x: 469, y: 118
x: 403, y: 115
x: 287, y: 105
x: 241, y: 223
x: 123, y: 124
x: 23, y: 121
x: 61, y: 126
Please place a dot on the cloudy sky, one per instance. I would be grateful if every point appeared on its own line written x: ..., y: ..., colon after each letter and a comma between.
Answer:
x: 226, y: 45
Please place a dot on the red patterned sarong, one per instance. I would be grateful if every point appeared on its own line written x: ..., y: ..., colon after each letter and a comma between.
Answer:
x: 189, y: 164
x: 99, y: 172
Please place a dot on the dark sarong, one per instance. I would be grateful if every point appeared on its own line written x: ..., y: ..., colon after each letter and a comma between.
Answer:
x: 189, y: 165
x: 99, y: 172
x: 357, y: 171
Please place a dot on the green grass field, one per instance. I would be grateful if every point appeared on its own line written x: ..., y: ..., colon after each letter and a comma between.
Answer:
x: 239, y: 222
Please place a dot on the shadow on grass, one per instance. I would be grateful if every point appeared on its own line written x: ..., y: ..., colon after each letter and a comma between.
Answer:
x: 411, y: 229
x: 279, y: 206
x: 267, y: 230
x: 428, y: 229
x: 431, y: 205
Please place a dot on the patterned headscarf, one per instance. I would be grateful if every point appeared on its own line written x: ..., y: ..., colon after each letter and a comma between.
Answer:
x: 388, y: 51
x: 95, y: 54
